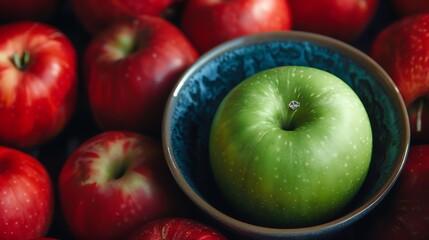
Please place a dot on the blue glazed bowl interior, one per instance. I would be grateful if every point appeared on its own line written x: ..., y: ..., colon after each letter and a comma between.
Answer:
x: 195, y: 99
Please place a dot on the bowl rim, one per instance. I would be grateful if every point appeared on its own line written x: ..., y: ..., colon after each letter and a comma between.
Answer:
x: 294, y: 35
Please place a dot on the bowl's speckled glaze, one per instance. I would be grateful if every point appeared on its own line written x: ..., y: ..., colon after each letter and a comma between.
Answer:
x: 200, y: 90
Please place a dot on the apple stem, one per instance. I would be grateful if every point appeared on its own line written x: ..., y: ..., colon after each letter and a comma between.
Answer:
x: 293, y: 106
x: 21, y: 61
x: 419, y: 116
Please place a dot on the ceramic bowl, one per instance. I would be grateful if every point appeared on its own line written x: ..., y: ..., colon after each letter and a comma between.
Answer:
x: 199, y: 91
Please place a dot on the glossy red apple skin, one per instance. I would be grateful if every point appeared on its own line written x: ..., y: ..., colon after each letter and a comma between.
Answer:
x: 18, y: 10
x: 402, y: 49
x: 96, y: 15
x: 343, y: 20
x: 410, y: 7
x: 209, y: 23
x: 407, y: 212
x: 115, y: 182
x: 27, y: 197
x: 128, y: 84
x: 176, y: 229
x: 35, y: 102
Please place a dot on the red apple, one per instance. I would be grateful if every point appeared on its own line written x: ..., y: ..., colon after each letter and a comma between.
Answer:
x: 114, y: 183
x: 411, y: 7
x: 407, y: 212
x: 37, y: 83
x: 27, y: 9
x: 176, y: 229
x: 208, y: 23
x: 26, y: 202
x: 96, y: 15
x: 402, y: 49
x: 344, y: 20
x: 131, y: 68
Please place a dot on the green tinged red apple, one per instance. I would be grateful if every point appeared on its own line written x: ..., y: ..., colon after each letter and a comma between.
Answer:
x: 114, y: 183
x: 209, y: 23
x: 97, y: 15
x: 402, y: 49
x: 38, y: 83
x: 406, y: 212
x: 342, y: 19
x: 176, y: 229
x: 130, y: 69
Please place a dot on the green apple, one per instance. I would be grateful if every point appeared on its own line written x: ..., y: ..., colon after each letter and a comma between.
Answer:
x: 290, y: 146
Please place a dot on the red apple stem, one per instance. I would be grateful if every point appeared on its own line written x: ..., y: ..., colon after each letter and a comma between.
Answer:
x: 419, y: 116
x: 21, y: 61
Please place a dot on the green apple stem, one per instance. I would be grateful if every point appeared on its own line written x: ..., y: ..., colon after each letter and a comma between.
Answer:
x: 21, y: 61
x: 293, y: 107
